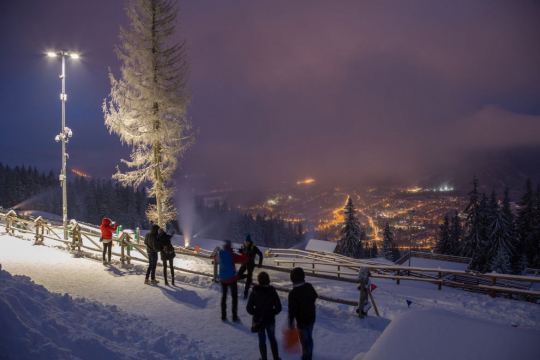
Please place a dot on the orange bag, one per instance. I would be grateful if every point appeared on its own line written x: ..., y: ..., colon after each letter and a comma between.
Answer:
x: 291, y: 341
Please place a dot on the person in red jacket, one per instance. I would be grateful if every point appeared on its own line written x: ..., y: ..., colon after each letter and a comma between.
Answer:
x: 107, y: 230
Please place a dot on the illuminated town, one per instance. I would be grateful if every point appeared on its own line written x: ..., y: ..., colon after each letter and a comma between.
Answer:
x: 320, y: 209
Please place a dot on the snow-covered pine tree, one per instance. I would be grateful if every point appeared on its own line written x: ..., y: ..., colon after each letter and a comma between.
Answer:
x: 148, y: 104
x: 388, y: 243
x: 481, y: 255
x: 524, y: 224
x: 455, y: 234
x: 350, y: 243
x: 474, y: 241
x: 443, y: 242
x: 502, y: 236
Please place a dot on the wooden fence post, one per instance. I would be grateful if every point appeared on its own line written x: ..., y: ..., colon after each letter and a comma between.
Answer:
x: 39, y: 225
x: 493, y: 283
x: 122, y: 246
x: 128, y: 248
x: 439, y: 284
x: 338, y: 270
x: 398, y: 274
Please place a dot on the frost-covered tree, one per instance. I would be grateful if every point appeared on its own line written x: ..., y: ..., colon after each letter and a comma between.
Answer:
x: 388, y: 243
x: 148, y: 103
x: 473, y: 238
x: 443, y: 242
x: 350, y: 243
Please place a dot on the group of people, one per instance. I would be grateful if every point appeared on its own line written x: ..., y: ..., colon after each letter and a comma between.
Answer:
x: 157, y: 241
x: 264, y: 303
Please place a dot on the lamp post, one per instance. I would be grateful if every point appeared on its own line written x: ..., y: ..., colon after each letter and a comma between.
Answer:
x: 64, y: 134
x: 410, y: 234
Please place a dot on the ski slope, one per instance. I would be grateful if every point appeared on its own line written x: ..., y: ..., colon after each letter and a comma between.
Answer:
x: 183, y: 321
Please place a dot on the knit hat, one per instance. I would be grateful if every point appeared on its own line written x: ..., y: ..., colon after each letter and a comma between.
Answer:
x: 227, y: 243
x: 297, y: 275
x: 263, y: 278
x: 248, y: 238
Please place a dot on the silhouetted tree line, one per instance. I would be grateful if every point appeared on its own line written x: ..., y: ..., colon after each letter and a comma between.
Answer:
x: 219, y: 221
x: 88, y: 200
x: 496, y: 238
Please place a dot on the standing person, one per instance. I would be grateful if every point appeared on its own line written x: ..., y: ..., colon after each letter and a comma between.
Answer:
x: 152, y: 248
x: 228, y: 279
x: 264, y: 305
x: 107, y: 228
x: 250, y: 250
x: 302, y: 308
x: 167, y: 253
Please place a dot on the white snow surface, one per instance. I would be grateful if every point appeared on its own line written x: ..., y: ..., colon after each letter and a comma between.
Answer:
x: 435, y: 264
x: 444, y: 335
x: 110, y: 308
x: 321, y: 246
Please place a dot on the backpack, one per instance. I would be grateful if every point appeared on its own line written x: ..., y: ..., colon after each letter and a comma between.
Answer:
x: 168, y: 252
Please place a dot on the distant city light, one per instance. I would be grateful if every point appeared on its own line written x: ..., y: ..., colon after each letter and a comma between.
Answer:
x: 307, y: 181
x: 80, y: 173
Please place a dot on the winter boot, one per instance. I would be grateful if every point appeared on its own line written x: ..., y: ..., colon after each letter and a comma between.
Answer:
x: 235, y: 318
x: 172, y: 282
x: 154, y: 281
x: 275, y: 352
x: 146, y: 281
x: 262, y: 349
x: 223, y: 318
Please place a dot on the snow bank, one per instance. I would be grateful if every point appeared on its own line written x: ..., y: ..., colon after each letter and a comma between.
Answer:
x: 39, y: 324
x: 444, y: 335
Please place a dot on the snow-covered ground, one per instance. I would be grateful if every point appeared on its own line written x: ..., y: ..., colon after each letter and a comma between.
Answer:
x: 143, y: 321
x: 434, y: 264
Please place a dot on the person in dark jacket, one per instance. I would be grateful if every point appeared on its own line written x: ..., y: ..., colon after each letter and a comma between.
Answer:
x: 228, y: 279
x: 264, y: 305
x: 152, y: 249
x: 302, y: 309
x: 167, y: 253
x: 250, y: 250
x: 106, y: 237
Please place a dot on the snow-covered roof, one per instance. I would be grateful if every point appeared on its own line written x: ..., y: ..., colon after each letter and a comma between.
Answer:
x: 321, y: 245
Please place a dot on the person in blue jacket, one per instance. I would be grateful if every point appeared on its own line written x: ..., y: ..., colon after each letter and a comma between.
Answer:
x: 228, y: 278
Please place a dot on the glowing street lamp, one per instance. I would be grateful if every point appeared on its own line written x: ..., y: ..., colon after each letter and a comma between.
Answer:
x: 65, y: 134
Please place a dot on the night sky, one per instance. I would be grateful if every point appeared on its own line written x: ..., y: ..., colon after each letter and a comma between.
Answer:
x: 366, y: 91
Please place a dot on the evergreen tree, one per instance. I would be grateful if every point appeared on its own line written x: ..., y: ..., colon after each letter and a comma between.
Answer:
x: 374, y: 251
x: 444, y: 245
x: 148, y: 104
x: 455, y: 235
x: 388, y: 243
x: 524, y: 225
x: 502, y: 236
x: 350, y: 243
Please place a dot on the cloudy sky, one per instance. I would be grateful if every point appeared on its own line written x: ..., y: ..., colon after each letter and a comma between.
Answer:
x: 366, y: 91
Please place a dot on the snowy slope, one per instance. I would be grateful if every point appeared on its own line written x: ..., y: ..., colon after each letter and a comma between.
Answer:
x: 191, y: 312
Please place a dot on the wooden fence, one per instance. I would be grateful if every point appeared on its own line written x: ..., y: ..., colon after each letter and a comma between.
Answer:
x: 346, y: 269
x: 322, y: 265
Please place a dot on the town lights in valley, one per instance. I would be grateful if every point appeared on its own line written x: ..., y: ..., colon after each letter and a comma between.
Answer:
x: 80, y: 173
x: 307, y: 181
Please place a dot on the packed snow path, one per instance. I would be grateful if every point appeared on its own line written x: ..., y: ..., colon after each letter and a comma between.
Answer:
x: 191, y: 308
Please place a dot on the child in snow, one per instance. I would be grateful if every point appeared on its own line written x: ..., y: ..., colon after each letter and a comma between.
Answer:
x: 228, y: 279
x: 302, y: 308
x: 106, y: 236
x: 264, y: 305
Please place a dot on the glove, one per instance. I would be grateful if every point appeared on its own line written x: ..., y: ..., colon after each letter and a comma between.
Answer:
x: 259, y: 266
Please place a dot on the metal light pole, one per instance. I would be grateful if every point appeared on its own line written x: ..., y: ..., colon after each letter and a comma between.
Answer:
x: 64, y: 134
x: 410, y: 234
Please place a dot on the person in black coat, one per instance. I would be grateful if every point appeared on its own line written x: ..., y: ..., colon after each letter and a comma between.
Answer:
x: 152, y: 248
x: 264, y: 305
x: 167, y: 253
x: 302, y: 309
x: 251, y: 251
